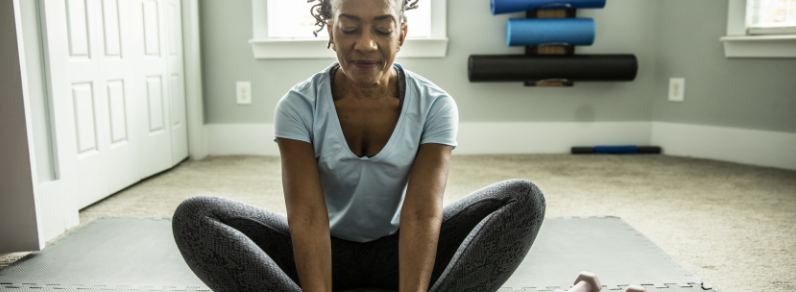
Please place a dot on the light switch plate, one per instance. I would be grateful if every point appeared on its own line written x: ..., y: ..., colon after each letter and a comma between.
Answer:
x: 244, y: 92
x: 677, y: 89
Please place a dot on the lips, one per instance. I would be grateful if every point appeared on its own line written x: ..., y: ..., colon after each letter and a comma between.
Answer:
x: 365, y: 64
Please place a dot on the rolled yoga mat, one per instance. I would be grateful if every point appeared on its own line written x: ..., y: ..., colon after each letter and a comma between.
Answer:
x: 622, y: 149
x: 536, y: 68
x: 560, y: 31
x: 508, y: 6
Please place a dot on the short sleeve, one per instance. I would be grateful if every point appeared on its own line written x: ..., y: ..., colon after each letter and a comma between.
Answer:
x: 442, y: 122
x: 293, y: 118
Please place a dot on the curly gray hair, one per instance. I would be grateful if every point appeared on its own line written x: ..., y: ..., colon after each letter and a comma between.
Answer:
x: 322, y: 11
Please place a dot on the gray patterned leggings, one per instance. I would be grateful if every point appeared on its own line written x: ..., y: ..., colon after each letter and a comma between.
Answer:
x: 233, y: 246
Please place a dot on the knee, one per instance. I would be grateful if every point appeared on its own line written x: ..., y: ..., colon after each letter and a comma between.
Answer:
x: 192, y: 210
x: 527, y: 196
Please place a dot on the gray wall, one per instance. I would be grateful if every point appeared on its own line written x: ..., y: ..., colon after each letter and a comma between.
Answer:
x: 669, y: 42
x: 622, y: 28
x: 18, y: 230
x: 740, y: 93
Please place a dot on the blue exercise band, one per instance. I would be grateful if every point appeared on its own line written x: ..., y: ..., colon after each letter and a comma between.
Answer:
x: 628, y: 149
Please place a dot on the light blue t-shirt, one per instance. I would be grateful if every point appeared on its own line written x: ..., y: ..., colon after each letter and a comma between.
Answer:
x: 364, y: 195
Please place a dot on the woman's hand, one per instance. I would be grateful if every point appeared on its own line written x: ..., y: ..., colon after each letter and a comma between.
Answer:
x: 421, y: 217
x: 306, y: 215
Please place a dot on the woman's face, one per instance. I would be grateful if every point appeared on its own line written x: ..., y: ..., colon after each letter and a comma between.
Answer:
x: 367, y: 34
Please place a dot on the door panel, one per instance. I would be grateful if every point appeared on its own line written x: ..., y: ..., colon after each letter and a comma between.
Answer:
x: 151, y: 28
x: 110, y: 26
x: 117, y: 109
x: 177, y: 116
x: 83, y: 100
x: 154, y: 93
x: 77, y: 20
x: 173, y: 15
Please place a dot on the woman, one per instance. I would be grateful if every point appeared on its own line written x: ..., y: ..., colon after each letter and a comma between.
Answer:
x: 365, y: 147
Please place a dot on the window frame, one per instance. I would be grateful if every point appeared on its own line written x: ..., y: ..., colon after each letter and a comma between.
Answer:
x: 738, y: 43
x: 264, y: 47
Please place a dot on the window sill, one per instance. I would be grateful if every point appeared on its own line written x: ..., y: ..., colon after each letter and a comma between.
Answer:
x: 764, y: 46
x: 316, y: 48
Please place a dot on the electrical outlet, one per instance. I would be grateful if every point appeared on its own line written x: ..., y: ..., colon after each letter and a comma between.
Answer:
x: 676, y: 89
x: 244, y: 92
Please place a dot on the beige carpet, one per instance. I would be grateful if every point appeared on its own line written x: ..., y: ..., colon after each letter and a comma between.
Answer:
x: 730, y: 224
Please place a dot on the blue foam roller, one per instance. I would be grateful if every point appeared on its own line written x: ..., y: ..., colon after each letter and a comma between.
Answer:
x: 626, y: 149
x: 559, y: 31
x: 508, y: 6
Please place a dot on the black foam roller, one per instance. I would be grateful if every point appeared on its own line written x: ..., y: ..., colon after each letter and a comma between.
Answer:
x: 535, y: 68
x: 649, y: 149
x: 582, y: 150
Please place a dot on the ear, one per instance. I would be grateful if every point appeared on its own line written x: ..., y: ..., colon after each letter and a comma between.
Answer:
x: 329, y: 25
x: 404, y: 32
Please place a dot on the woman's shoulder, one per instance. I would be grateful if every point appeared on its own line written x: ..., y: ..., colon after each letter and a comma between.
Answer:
x: 426, y: 91
x: 310, y: 88
x: 306, y: 93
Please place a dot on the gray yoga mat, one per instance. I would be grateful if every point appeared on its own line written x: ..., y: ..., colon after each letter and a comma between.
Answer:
x: 606, y: 246
x: 108, y: 252
x: 128, y: 254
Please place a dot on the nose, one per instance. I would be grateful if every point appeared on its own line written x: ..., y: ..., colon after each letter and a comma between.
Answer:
x: 366, y: 43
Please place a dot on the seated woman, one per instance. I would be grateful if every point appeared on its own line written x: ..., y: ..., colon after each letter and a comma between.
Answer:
x: 365, y: 146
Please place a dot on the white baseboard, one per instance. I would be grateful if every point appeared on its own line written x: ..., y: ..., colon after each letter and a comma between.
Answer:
x: 547, y: 137
x: 756, y: 147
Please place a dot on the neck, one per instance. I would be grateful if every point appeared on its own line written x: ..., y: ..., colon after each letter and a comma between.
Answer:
x: 383, y: 87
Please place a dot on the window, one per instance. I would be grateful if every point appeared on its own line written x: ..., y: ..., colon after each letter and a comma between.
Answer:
x: 291, y: 19
x: 760, y: 29
x: 283, y: 30
x: 771, y: 17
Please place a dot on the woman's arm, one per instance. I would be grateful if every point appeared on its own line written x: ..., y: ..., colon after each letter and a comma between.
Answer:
x: 306, y: 215
x: 421, y: 217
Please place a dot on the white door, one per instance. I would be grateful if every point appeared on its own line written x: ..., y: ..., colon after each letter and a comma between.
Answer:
x: 107, y: 64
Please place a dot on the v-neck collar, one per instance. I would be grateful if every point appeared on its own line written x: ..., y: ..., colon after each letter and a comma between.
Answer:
x: 339, y: 128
